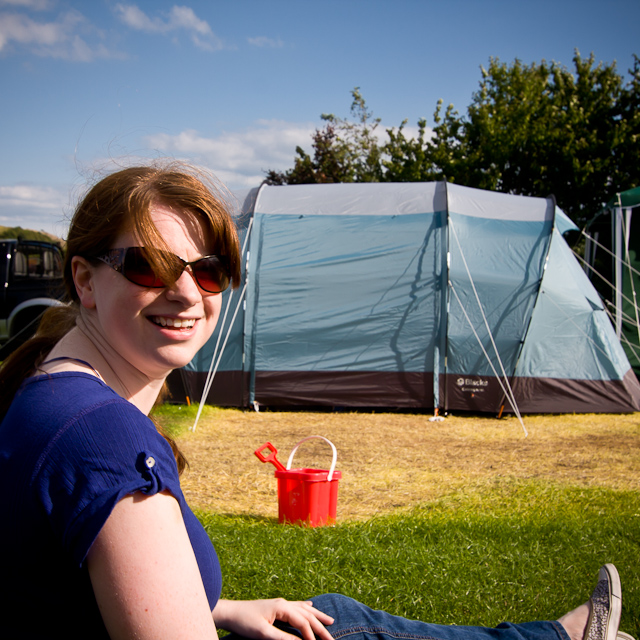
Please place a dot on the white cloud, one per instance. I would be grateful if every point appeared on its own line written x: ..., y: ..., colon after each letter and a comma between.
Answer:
x: 185, y: 17
x: 264, y: 41
x: 240, y: 158
x: 34, y: 5
x: 133, y: 17
x: 36, y: 197
x: 72, y: 37
x: 34, y: 207
x: 64, y: 38
x: 178, y: 18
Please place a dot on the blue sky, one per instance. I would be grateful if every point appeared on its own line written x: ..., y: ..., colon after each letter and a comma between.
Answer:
x: 235, y: 85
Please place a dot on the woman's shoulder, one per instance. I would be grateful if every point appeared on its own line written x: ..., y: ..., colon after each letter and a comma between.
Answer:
x: 74, y: 448
x: 66, y: 390
x: 78, y: 413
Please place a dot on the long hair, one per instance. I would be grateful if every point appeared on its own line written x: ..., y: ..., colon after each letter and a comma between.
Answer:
x: 119, y: 203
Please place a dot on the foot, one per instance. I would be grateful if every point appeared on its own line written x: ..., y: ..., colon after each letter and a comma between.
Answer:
x: 599, y: 618
x: 606, y: 606
x: 575, y: 622
x: 624, y: 636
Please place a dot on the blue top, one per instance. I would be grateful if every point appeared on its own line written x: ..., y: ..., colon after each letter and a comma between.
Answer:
x: 70, y: 449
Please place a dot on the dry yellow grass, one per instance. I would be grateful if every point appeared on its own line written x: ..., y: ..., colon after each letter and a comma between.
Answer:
x: 394, y: 461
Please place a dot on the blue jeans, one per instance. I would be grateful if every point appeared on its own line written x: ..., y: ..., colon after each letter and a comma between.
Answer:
x: 355, y: 621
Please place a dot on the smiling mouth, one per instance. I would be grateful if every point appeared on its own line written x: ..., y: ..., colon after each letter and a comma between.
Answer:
x: 174, y: 323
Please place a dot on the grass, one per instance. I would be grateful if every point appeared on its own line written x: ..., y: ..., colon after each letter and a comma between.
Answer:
x: 489, y: 543
x: 509, y: 551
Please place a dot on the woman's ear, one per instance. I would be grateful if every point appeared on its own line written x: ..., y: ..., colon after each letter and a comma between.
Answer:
x: 82, y: 273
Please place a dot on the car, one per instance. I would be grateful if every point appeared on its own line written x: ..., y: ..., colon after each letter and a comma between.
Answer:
x: 32, y: 282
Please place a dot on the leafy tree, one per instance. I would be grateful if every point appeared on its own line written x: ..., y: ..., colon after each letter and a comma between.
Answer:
x: 359, y: 140
x: 28, y: 234
x: 409, y: 159
x: 331, y: 162
x: 343, y: 151
x: 540, y: 130
x: 628, y: 159
x: 535, y: 129
x: 504, y: 133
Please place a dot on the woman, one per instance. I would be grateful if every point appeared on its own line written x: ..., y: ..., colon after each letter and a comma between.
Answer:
x: 100, y: 542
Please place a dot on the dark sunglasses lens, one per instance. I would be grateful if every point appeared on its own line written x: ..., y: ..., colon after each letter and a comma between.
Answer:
x: 211, y: 274
x: 137, y: 269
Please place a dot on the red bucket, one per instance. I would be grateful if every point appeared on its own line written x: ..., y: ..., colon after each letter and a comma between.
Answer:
x: 308, y: 497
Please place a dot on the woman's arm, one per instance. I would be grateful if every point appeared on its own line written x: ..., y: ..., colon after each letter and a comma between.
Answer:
x: 255, y: 618
x: 145, y: 575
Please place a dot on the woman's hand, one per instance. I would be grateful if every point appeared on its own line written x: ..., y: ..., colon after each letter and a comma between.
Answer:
x: 255, y: 618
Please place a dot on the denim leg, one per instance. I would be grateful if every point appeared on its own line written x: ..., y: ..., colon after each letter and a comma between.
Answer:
x: 355, y: 621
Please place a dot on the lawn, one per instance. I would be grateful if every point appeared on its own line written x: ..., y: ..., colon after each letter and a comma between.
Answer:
x: 462, y: 521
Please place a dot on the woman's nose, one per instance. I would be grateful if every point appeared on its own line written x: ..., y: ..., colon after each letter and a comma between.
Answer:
x: 185, y: 288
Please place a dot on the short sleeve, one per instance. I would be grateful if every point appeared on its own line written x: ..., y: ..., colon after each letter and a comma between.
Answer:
x: 107, y: 452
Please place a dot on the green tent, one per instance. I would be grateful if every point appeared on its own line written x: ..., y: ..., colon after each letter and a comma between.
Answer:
x: 612, y: 253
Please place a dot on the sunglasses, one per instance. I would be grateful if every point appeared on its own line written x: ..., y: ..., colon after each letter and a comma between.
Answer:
x: 211, y: 272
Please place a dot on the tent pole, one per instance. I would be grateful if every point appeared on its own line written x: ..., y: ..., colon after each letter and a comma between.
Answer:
x: 616, y: 220
x: 627, y: 258
x: 589, y: 253
x: 446, y: 304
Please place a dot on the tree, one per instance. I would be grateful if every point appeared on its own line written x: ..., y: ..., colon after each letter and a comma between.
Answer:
x: 408, y: 159
x: 28, y: 234
x: 540, y: 130
x: 331, y: 162
x: 359, y: 140
x: 535, y: 129
x: 628, y: 159
x: 343, y: 151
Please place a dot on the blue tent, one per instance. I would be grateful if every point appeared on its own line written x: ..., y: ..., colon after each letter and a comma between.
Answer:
x: 412, y: 295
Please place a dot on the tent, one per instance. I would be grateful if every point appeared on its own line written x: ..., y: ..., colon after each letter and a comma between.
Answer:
x: 612, y: 253
x: 411, y: 295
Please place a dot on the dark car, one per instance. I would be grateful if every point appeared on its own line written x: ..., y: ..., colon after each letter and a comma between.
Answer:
x: 32, y: 281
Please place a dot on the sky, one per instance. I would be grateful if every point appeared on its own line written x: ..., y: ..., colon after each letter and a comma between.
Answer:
x: 87, y: 86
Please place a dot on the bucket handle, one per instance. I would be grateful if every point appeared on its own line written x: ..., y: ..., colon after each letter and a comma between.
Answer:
x: 333, y: 448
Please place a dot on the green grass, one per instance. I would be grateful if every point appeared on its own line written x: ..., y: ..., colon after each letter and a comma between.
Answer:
x: 177, y: 418
x: 498, y: 550
x: 509, y: 550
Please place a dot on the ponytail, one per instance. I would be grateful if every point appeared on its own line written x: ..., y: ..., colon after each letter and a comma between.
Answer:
x: 54, y: 325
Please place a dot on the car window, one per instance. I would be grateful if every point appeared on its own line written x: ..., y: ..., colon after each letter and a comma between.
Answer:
x: 37, y: 262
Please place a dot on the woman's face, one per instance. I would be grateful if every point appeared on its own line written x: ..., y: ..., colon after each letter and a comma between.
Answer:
x: 156, y: 330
